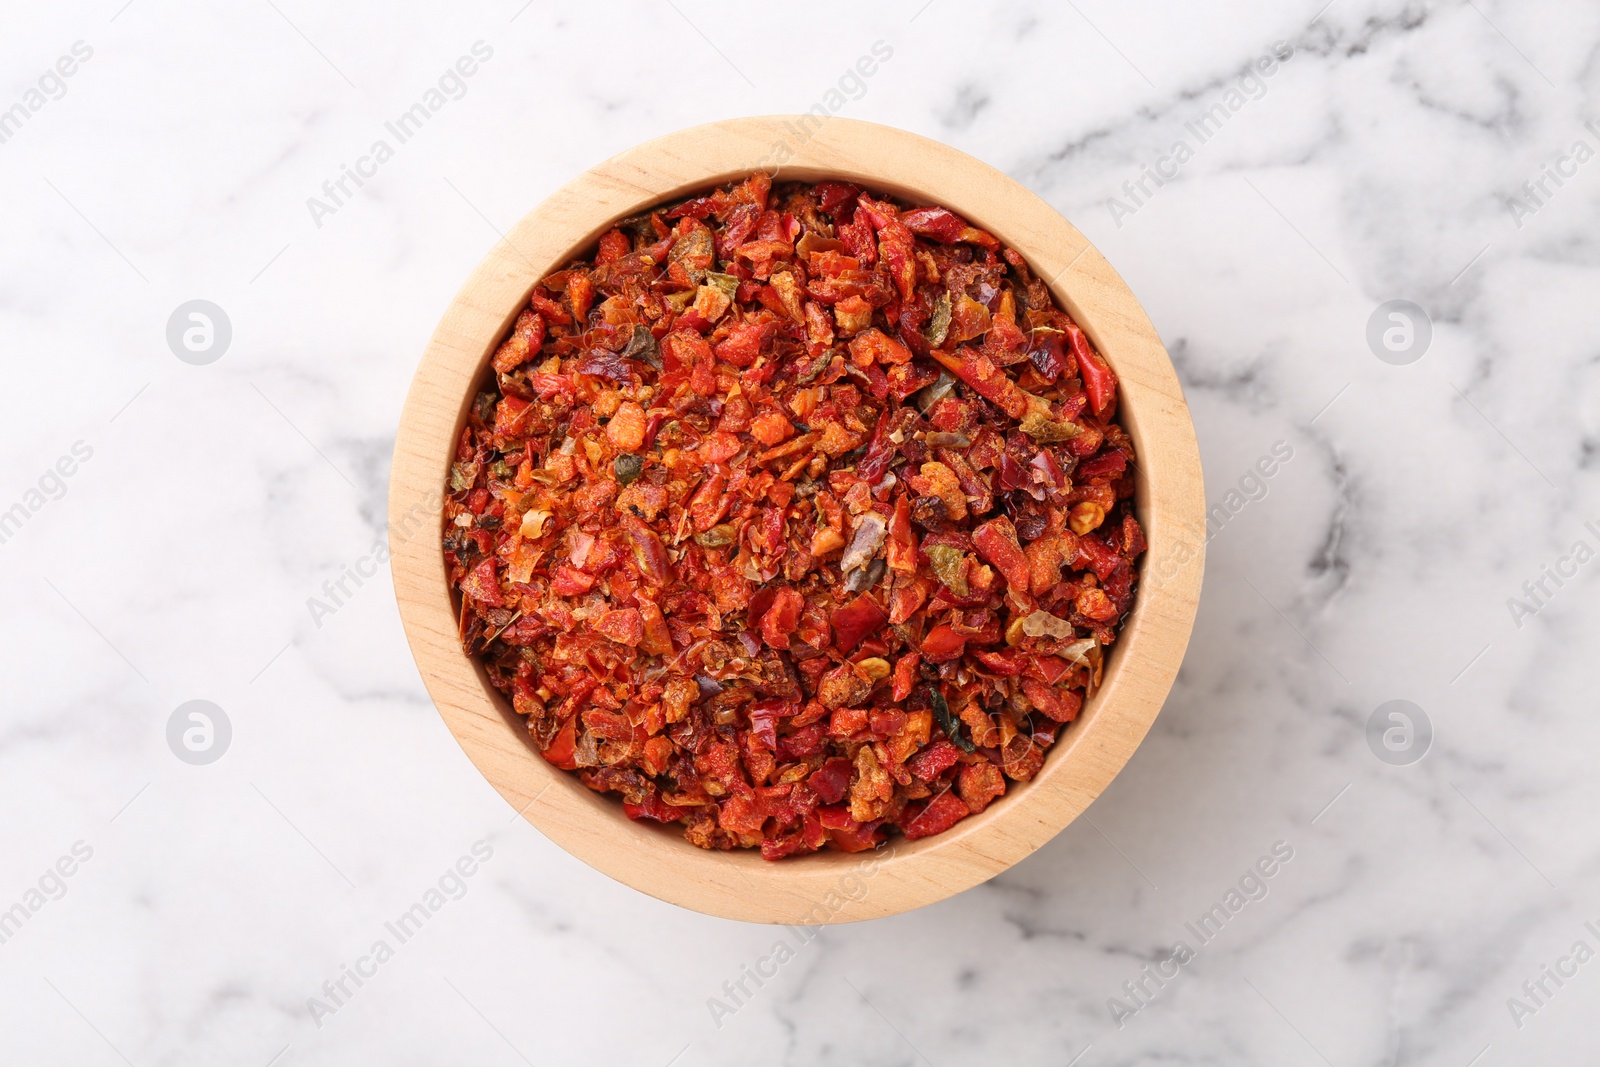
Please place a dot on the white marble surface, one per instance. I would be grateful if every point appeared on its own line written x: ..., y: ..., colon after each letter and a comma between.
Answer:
x: 1378, y: 163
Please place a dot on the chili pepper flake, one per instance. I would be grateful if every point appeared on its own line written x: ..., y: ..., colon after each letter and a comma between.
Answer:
x: 751, y: 500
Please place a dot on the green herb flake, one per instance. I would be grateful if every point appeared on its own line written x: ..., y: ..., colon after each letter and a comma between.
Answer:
x: 462, y: 475
x: 950, y: 564
x: 627, y: 467
x: 696, y: 246
x: 811, y: 373
x: 483, y: 406
x: 939, y: 326
x: 926, y: 397
x: 1042, y: 428
x: 717, y: 536
x: 947, y: 722
x: 642, y: 346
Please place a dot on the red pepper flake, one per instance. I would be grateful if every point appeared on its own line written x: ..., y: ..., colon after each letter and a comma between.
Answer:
x: 934, y: 760
x: 783, y: 617
x: 943, y: 644
x: 624, y: 625
x: 996, y: 540
x: 831, y: 780
x: 855, y: 621
x: 979, y: 783
x: 480, y: 585
x: 789, y: 516
x: 937, y: 816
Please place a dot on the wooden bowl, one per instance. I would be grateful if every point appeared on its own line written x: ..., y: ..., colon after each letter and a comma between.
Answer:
x: 826, y: 886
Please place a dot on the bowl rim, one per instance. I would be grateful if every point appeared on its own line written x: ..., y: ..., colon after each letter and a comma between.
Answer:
x: 823, y: 887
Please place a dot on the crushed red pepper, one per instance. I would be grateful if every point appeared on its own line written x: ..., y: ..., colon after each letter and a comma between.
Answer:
x: 795, y: 516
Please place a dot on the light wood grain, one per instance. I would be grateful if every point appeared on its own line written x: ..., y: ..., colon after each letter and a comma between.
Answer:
x: 825, y: 887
